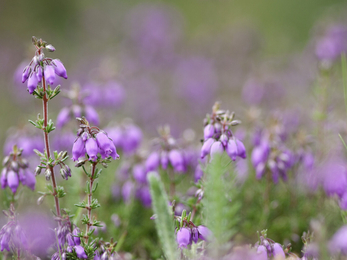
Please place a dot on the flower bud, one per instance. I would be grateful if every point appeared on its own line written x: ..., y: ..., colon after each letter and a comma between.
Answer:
x: 59, y: 68
x: 183, y: 237
x: 40, y: 200
x: 206, y: 147
x: 78, y: 149
x: 176, y: 160
x: 262, y: 253
x: 216, y: 148
x: 13, y: 181
x: 26, y: 73
x: 208, y: 131
x: 92, y: 149
x: 49, y: 74
x: 80, y: 252
x: 32, y: 83
x: 50, y: 47
x: 75, y: 233
x: 38, y: 170
x: 204, y: 233
x: 48, y: 174
x: 152, y: 161
x: 278, y: 251
x: 63, y: 173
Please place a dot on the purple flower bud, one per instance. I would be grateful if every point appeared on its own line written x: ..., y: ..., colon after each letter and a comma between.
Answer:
x: 80, y: 252
x: 164, y: 159
x: 49, y: 74
x: 32, y: 83
x: 206, y: 147
x: 241, y: 149
x: 204, y: 233
x: 3, y: 179
x: 224, y: 139
x: 113, y: 153
x: 78, y: 149
x: 5, y: 240
x: 216, y: 148
x: 338, y: 241
x: 127, y: 191
x: 76, y: 239
x: 92, y: 149
x: 208, y: 131
x: 278, y: 251
x: 96, y: 255
x: 13, y: 181
x: 70, y: 240
x: 59, y: 68
x: 176, y: 160
x: 91, y: 115
x: 26, y: 73
x: 231, y: 149
x: 183, y: 237
x: 63, y: 117
x: 152, y: 162
x: 139, y: 173
x: 262, y: 253
x: 30, y: 180
x: 104, y: 142
x: 195, y: 234
x: 39, y: 74
x: 50, y: 47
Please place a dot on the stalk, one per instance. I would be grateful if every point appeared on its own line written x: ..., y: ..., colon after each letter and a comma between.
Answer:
x: 47, y: 145
x: 89, y: 209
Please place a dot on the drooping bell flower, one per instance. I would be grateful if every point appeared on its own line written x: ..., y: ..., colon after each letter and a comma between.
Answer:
x: 49, y: 74
x: 183, y: 237
x: 80, y: 252
x: 92, y: 149
x: 59, y: 68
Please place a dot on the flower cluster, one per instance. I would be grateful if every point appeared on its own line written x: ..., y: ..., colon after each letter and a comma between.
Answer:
x: 92, y: 141
x: 191, y: 233
x: 40, y: 67
x: 219, y: 137
x: 267, y: 248
x: 77, y: 109
x: 71, y: 240
x: 15, y: 171
x: 167, y: 153
x: 271, y: 155
x: 126, y: 137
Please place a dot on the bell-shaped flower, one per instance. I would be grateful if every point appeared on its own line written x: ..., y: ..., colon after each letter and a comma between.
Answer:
x: 153, y: 161
x: 30, y: 180
x: 12, y: 180
x: 262, y: 252
x: 70, y: 240
x: 204, y: 233
x: 5, y: 242
x: 26, y: 73
x: 104, y: 142
x: 139, y: 173
x: 278, y: 251
x: 3, y: 178
x: 208, y: 131
x: 176, y: 160
x: 92, y: 149
x: 49, y: 74
x: 63, y: 117
x: 216, y: 148
x: 183, y: 237
x: 75, y: 234
x: 59, y: 68
x: 91, y: 115
x: 32, y: 83
x: 78, y: 149
x: 206, y: 147
x: 80, y: 252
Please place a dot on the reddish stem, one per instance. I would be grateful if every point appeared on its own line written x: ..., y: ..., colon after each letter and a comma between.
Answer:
x: 90, y: 202
x: 47, y: 146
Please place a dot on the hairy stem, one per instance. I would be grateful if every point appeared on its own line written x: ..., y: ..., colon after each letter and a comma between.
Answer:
x: 47, y: 146
x: 89, y: 209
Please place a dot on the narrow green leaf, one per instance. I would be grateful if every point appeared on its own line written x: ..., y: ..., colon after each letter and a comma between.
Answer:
x: 164, y: 221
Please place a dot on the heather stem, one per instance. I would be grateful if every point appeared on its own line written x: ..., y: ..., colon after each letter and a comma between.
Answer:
x: 89, y: 209
x: 47, y: 146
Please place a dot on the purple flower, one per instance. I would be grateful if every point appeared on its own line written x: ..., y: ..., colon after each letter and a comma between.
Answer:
x: 104, y: 142
x: 153, y: 161
x: 30, y: 179
x: 145, y: 196
x: 49, y: 74
x: 39, y: 73
x: 12, y: 180
x: 139, y: 173
x: 78, y: 149
x: 216, y: 148
x: 92, y: 149
x: 195, y: 234
x: 208, y: 131
x: 198, y: 173
x: 262, y: 252
x: 70, y: 240
x: 3, y: 179
x: 164, y: 159
x: 183, y: 237
x: 5, y: 241
x: 63, y: 117
x: 132, y: 139
x: 278, y: 251
x: 59, y: 68
x: 206, y: 147
x: 204, y: 233
x: 334, y: 179
x: 91, y: 115
x: 75, y: 234
x: 80, y: 252
x: 26, y: 73
x: 32, y: 83
x: 176, y: 160
x: 338, y: 241
x: 127, y: 191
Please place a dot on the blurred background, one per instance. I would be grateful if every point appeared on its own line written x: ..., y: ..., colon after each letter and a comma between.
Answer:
x: 167, y: 62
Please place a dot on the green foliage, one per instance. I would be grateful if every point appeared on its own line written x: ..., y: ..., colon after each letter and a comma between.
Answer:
x: 164, y: 221
x: 220, y: 207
